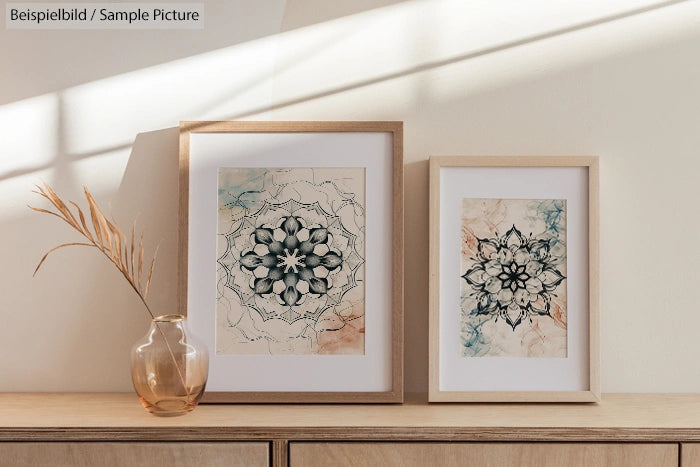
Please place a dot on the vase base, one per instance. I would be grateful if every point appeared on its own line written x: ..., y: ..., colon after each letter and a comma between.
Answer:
x: 169, y: 407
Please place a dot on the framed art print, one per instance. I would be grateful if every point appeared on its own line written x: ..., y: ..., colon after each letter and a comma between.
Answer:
x: 514, y: 279
x: 290, y: 256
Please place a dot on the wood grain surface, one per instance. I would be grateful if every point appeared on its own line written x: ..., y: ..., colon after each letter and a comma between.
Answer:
x: 135, y: 454
x: 482, y: 454
x: 110, y: 417
x: 690, y: 455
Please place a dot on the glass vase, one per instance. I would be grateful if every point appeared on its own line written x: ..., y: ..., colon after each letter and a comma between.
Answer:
x: 169, y: 368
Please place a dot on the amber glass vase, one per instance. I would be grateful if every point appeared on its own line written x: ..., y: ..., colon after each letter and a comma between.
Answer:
x: 169, y: 368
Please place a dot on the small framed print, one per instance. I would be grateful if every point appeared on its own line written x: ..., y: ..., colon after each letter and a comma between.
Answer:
x: 514, y: 279
x: 290, y: 258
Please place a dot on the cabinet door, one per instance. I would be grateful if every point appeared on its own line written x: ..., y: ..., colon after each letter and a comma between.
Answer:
x: 133, y: 454
x: 482, y: 454
x: 690, y: 455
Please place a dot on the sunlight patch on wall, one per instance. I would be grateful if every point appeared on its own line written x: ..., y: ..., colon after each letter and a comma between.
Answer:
x: 383, y: 61
x: 31, y: 127
x: 110, y: 112
x: 447, y: 49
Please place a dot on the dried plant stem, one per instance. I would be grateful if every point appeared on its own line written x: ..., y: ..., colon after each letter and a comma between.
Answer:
x: 109, y: 239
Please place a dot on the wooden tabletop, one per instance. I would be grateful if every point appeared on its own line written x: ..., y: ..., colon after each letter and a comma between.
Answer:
x: 109, y: 416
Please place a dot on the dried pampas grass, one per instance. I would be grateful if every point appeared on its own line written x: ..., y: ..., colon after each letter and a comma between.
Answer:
x: 106, y: 236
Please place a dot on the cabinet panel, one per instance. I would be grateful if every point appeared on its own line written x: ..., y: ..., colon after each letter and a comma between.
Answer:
x: 133, y: 454
x: 690, y: 455
x: 483, y: 454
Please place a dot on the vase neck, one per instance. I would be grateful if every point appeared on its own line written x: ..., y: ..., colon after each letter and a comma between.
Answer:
x: 168, y: 319
x: 170, y: 326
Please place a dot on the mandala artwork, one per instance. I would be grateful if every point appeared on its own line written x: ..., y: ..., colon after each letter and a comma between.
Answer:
x: 513, y: 278
x: 290, y: 261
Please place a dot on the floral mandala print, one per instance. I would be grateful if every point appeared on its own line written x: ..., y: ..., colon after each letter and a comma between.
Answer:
x: 294, y: 255
x: 290, y: 275
x: 512, y: 277
x: 289, y: 263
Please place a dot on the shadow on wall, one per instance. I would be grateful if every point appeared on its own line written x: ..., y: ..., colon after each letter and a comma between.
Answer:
x: 148, y: 193
x: 149, y: 190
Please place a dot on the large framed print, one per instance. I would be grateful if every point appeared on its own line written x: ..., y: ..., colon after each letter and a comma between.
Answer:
x: 291, y: 258
x: 514, y: 279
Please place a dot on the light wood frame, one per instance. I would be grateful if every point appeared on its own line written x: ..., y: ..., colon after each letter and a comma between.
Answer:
x: 435, y: 394
x: 395, y: 395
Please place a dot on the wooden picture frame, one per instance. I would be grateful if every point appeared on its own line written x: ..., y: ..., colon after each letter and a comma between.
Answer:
x: 272, y: 185
x: 473, y: 201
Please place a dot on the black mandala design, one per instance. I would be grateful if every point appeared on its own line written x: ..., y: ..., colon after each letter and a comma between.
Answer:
x: 513, y: 277
x: 290, y: 261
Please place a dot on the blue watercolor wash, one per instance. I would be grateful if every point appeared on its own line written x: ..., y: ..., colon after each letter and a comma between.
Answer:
x: 247, y: 192
x: 474, y: 342
x: 552, y: 212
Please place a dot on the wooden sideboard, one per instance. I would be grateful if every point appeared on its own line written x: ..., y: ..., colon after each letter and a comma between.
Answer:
x: 113, y: 429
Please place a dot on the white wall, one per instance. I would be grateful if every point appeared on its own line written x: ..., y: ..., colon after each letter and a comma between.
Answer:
x: 615, y: 78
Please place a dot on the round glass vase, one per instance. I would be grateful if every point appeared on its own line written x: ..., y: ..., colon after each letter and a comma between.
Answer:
x: 169, y: 368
